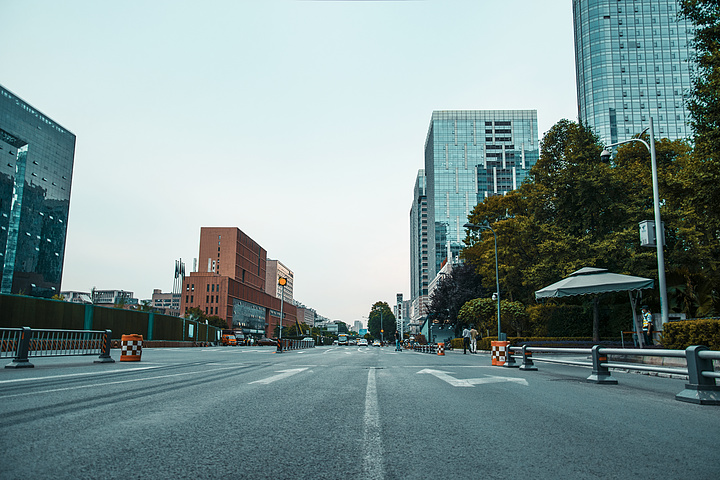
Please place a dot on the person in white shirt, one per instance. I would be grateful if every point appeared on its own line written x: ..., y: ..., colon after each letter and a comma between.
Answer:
x: 466, y: 340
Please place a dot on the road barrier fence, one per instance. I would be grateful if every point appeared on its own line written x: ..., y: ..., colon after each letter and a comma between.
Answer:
x: 22, y: 343
x: 294, y: 344
x: 701, y: 389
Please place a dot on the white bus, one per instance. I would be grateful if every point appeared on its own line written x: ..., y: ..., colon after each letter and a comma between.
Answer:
x: 343, y: 339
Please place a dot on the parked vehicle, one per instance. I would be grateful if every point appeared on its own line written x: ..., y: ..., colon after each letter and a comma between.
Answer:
x: 228, y: 340
x: 267, y: 341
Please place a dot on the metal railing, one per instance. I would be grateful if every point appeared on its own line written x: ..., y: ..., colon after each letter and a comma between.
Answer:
x: 702, y: 387
x: 294, y: 344
x: 25, y: 342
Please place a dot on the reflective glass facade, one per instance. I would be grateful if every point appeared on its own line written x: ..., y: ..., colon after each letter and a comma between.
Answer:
x: 633, y: 60
x: 471, y: 155
x: 36, y: 164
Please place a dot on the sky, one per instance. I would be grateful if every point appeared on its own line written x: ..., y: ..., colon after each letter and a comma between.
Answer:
x: 300, y: 122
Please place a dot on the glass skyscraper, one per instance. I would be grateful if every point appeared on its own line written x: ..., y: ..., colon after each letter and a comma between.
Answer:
x: 36, y: 164
x: 471, y: 155
x: 633, y: 60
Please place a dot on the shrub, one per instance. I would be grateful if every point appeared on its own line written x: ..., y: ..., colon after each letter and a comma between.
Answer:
x: 680, y: 335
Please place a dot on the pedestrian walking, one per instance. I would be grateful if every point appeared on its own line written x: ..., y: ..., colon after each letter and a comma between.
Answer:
x: 466, y: 340
x: 473, y: 340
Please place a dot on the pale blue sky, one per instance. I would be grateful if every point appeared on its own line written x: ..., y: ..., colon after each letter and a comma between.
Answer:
x: 303, y: 123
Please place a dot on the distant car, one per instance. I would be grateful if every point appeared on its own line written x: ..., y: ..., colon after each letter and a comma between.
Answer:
x: 267, y: 341
x: 377, y: 343
x: 362, y: 342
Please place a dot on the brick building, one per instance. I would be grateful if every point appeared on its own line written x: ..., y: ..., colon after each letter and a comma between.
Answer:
x: 231, y: 283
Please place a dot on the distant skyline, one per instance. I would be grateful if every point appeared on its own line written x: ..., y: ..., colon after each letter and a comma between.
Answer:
x: 302, y: 123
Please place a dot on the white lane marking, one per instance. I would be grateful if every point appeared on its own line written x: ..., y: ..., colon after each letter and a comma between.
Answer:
x: 282, y: 374
x: 17, y: 380
x: 118, y: 382
x: 469, y: 382
x: 373, y: 467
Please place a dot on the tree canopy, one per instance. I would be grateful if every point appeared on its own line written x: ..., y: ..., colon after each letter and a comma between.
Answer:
x: 387, y: 319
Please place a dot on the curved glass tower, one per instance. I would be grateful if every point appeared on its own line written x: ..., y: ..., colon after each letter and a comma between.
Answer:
x: 633, y: 60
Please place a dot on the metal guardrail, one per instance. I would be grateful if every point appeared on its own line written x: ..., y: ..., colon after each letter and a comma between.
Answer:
x: 25, y: 342
x: 294, y: 344
x: 701, y: 389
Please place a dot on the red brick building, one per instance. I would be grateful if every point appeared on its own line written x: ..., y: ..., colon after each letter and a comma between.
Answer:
x: 230, y: 283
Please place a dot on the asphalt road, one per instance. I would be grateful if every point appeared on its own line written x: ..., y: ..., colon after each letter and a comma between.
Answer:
x: 343, y: 413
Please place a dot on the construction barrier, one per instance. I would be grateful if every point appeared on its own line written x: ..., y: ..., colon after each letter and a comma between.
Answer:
x: 499, y: 351
x: 131, y: 348
x: 441, y: 348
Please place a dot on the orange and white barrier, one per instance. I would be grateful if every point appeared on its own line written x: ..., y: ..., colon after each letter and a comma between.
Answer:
x: 441, y: 348
x: 499, y: 351
x: 131, y: 348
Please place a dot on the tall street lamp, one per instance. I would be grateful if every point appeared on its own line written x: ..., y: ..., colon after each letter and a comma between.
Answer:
x: 605, y: 155
x: 282, y: 281
x: 486, y: 226
x: 382, y: 339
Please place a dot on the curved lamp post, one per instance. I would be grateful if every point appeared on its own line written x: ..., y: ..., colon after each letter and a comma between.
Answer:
x: 486, y: 226
x: 605, y: 155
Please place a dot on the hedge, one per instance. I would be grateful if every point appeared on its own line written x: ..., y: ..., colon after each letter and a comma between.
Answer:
x: 680, y: 335
x: 484, y: 343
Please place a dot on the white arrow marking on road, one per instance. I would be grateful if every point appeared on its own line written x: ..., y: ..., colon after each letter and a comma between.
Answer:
x: 444, y: 376
x: 282, y: 374
x: 456, y: 382
x: 494, y: 379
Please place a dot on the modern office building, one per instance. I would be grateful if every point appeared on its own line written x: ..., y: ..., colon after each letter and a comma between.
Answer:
x: 469, y: 156
x: 419, y: 250
x: 233, y: 285
x: 36, y: 166
x: 633, y: 60
x: 274, y: 270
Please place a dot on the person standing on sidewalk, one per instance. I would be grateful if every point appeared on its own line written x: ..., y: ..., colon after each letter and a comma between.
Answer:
x: 473, y: 340
x: 466, y: 340
x: 397, y: 341
x: 648, y: 326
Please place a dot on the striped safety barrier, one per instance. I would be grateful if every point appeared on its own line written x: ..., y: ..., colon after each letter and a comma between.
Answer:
x: 131, y: 348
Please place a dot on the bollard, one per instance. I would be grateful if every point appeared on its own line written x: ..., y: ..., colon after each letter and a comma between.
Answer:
x: 441, y: 348
x: 23, y: 348
x: 701, y: 389
x: 131, y: 348
x: 600, y: 373
x: 527, y: 360
x: 105, y: 355
x: 510, y: 363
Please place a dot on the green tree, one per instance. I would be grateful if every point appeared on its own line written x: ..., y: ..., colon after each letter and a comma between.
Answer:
x: 217, y: 322
x: 482, y: 314
x: 576, y: 210
x: 453, y: 290
x: 387, y: 320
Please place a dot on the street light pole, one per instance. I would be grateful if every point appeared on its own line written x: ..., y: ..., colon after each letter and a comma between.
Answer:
x: 659, y: 243
x: 487, y: 226
x: 282, y: 281
x: 379, y: 307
